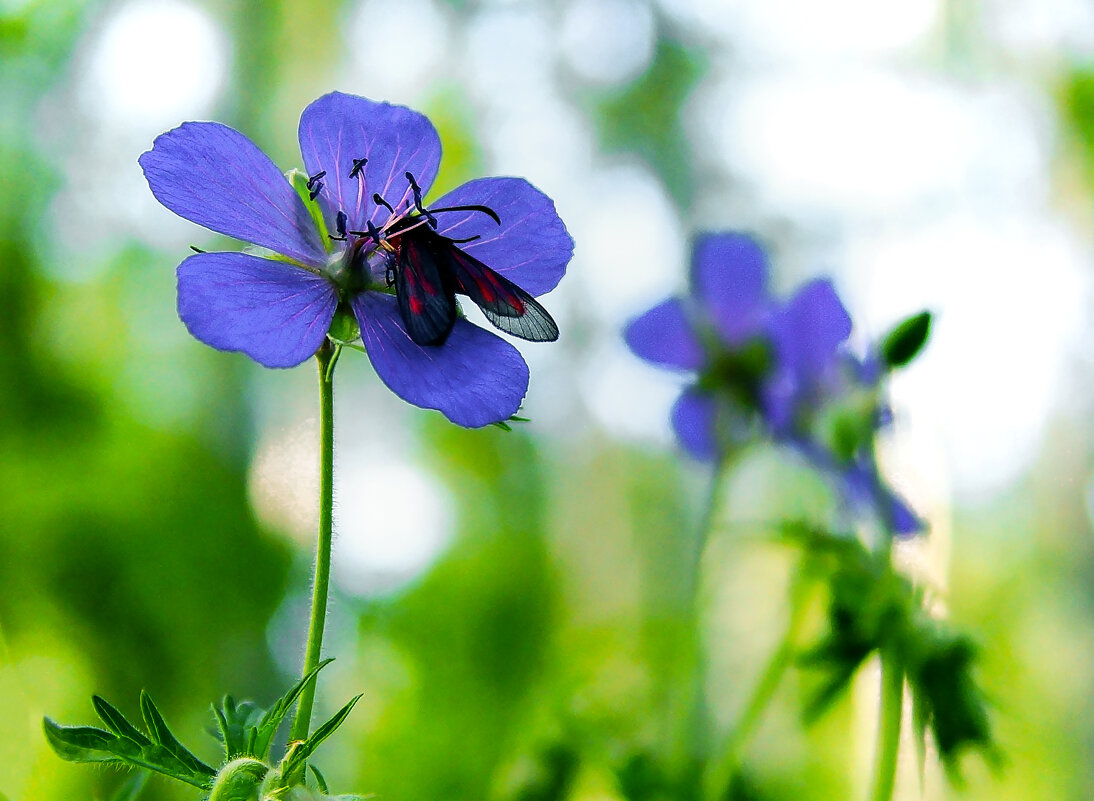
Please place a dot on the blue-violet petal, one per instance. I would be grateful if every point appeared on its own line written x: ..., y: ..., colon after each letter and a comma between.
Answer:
x: 275, y: 313
x: 215, y: 176
x: 531, y: 247
x: 474, y: 379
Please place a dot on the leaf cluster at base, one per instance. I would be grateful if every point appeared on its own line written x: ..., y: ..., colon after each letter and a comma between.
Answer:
x: 245, y: 731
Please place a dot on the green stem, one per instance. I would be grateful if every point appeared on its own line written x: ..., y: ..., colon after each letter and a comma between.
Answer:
x: 326, y: 356
x: 720, y: 776
x: 892, y: 669
x: 695, y: 719
x: 888, y: 739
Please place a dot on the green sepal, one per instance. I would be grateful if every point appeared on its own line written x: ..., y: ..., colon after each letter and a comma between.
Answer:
x: 292, y: 766
x: 299, y: 182
x: 906, y: 339
x: 344, y: 328
x: 504, y: 424
x: 235, y: 726
x: 239, y: 780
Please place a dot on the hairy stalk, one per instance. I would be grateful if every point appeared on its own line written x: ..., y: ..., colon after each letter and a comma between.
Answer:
x: 326, y: 356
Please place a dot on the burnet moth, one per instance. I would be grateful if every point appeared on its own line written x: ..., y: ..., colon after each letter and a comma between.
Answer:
x: 429, y: 269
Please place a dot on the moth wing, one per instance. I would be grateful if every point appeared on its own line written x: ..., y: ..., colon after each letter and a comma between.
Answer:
x: 504, y: 303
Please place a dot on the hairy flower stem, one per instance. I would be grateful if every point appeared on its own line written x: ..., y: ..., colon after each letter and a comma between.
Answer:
x: 326, y: 356
x: 720, y: 776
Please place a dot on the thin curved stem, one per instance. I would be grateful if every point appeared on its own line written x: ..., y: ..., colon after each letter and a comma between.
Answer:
x: 326, y: 356
x: 720, y: 776
x: 888, y: 740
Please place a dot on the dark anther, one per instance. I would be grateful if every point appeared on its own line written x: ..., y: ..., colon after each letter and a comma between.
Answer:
x: 313, y: 180
x: 489, y: 212
x: 340, y: 224
x: 379, y: 201
x: 196, y: 249
x: 358, y: 165
x: 314, y: 193
x: 373, y: 232
x: 417, y: 190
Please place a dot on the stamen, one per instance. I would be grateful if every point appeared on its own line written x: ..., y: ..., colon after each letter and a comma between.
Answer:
x: 340, y: 224
x: 484, y: 209
x: 314, y: 193
x: 373, y: 232
x: 313, y: 180
x: 417, y: 190
x: 379, y: 201
x: 358, y: 166
x: 196, y: 249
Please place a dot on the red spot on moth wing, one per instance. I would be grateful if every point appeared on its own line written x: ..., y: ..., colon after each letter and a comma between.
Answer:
x: 416, y: 305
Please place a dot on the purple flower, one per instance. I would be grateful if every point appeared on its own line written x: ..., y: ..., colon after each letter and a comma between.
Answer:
x: 370, y: 164
x: 758, y: 359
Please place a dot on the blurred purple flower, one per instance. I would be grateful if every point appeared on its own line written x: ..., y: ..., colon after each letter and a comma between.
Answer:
x: 756, y: 358
x: 278, y: 310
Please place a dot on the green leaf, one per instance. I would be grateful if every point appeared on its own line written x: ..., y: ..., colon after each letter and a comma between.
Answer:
x: 270, y: 722
x: 320, y: 782
x: 904, y: 342
x: 117, y: 723
x: 292, y: 766
x: 80, y: 743
x: 89, y: 744
x: 162, y: 736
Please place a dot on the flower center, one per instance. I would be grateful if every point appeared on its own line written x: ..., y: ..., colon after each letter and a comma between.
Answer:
x: 370, y: 257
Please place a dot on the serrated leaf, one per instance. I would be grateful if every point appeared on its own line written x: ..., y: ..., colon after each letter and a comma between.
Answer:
x: 907, y: 338
x: 267, y: 727
x: 117, y: 722
x: 80, y: 743
x: 161, y: 735
x: 292, y: 766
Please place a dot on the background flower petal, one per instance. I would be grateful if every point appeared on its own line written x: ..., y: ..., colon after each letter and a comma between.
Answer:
x: 809, y: 329
x: 338, y: 128
x: 664, y: 336
x: 215, y: 176
x: 275, y: 313
x: 474, y: 379
x: 694, y: 421
x: 729, y: 278
x: 531, y: 247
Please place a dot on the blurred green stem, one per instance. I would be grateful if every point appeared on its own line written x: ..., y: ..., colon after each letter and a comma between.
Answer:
x: 888, y: 739
x: 892, y: 670
x: 720, y: 776
x: 326, y: 356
